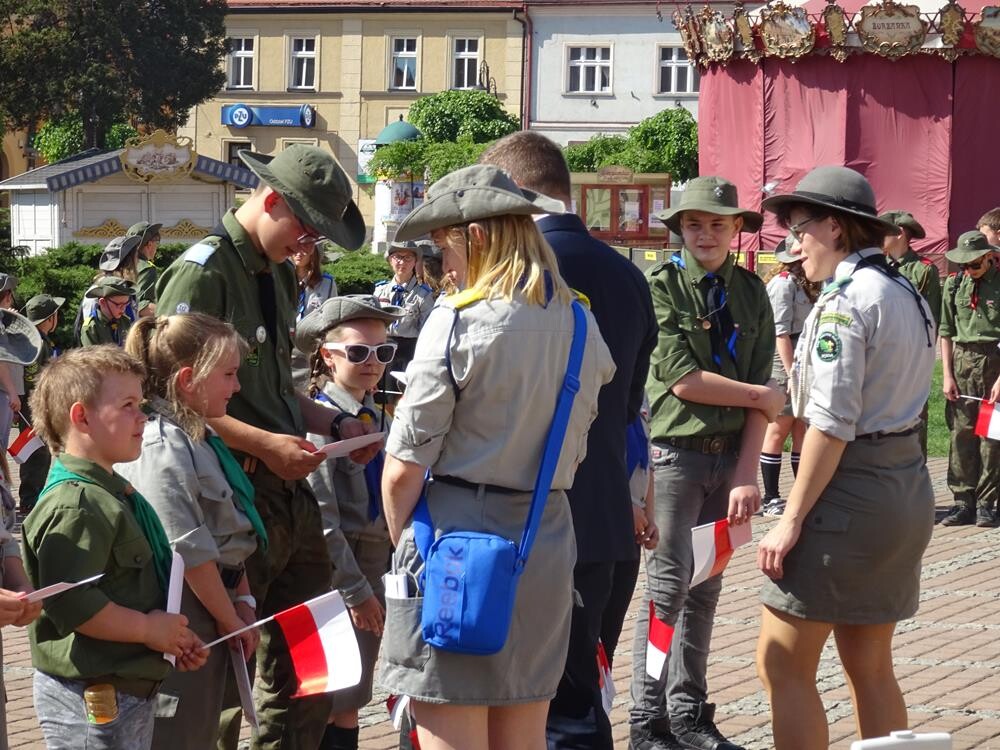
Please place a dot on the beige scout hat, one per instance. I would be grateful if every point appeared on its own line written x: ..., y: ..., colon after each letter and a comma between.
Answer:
x: 111, y: 286
x: 783, y: 252
x: 905, y: 220
x: 144, y: 231
x: 20, y: 341
x: 713, y: 195
x: 480, y: 191
x: 337, y: 310
x: 315, y: 187
x: 971, y: 246
x: 117, y: 252
x: 414, y: 246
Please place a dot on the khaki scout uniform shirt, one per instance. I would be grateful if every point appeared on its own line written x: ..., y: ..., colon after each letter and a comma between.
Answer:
x: 145, y: 283
x: 78, y: 530
x: 959, y: 321
x: 99, y: 329
x: 924, y: 276
x: 789, y: 303
x: 218, y: 277
x: 684, y: 345
x: 340, y: 488
x: 418, y: 301
x: 185, y: 484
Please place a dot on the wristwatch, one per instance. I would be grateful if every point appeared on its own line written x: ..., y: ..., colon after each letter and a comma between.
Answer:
x: 248, y: 600
x: 335, y: 423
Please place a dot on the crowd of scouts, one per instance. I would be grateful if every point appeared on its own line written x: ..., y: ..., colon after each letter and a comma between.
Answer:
x: 189, y: 417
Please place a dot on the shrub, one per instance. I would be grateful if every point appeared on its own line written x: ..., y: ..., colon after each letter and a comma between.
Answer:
x: 357, y: 272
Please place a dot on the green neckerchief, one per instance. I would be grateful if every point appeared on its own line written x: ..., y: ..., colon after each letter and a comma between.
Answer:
x: 144, y: 514
x: 240, y: 482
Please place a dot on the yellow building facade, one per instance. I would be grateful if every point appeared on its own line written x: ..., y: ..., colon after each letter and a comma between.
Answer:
x: 335, y: 78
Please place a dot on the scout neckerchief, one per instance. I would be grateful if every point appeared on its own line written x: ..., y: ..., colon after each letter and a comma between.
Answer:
x: 718, y: 318
x: 398, y: 294
x: 145, y: 516
x: 373, y: 469
x: 242, y: 487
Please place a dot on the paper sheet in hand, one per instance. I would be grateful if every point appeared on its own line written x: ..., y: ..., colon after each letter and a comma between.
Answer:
x: 174, y: 590
x: 239, y: 663
x: 344, y: 447
x: 57, y: 588
x: 399, y: 375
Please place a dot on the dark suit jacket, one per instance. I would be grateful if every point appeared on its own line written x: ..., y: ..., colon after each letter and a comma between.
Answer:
x: 621, y: 303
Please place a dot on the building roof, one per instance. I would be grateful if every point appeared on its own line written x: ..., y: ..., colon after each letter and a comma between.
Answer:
x: 377, y: 5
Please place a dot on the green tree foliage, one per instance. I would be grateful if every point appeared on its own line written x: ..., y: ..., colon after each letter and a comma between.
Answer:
x: 58, y: 139
x: 104, y: 59
x: 600, y: 151
x: 400, y: 158
x: 358, y: 272
x: 449, y: 115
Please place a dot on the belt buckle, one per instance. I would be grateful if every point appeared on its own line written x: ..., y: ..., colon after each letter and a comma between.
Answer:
x: 715, y: 445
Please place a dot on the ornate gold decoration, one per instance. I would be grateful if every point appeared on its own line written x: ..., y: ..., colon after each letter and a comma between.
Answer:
x: 744, y: 34
x: 835, y: 21
x: 786, y: 31
x: 686, y: 23
x: 891, y: 30
x: 951, y: 24
x: 987, y: 30
x: 185, y: 228
x: 716, y: 36
x: 110, y: 229
x: 160, y: 157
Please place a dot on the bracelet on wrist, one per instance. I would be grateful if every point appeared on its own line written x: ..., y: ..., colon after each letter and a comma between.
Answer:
x: 335, y: 423
x: 247, y: 599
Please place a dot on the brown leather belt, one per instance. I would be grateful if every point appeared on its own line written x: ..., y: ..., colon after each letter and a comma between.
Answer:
x: 144, y: 689
x: 714, y: 446
x: 880, y: 435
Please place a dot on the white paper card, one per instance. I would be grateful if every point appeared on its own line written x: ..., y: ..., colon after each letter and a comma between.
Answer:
x: 174, y: 591
x: 243, y: 683
x: 395, y: 585
x: 344, y: 447
x: 57, y: 588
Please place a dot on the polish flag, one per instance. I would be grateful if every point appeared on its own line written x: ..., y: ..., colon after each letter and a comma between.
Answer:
x: 322, y: 644
x: 988, y: 424
x: 26, y: 443
x: 604, y: 680
x: 398, y: 706
x: 658, y: 645
x: 713, y: 545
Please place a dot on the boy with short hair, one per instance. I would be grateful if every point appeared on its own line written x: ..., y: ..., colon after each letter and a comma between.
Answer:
x: 711, y: 401
x: 107, y: 322
x: 90, y: 521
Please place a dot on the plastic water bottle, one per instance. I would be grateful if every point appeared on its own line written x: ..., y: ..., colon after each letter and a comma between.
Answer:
x: 102, y: 703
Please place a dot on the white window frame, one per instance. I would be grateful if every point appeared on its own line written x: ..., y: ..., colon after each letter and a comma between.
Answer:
x: 231, y: 56
x: 284, y: 143
x: 293, y: 55
x: 391, y: 37
x: 227, y: 143
x: 674, y: 64
x: 454, y: 37
x: 583, y: 63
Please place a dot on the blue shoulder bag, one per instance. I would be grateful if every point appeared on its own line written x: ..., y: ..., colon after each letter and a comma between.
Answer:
x: 470, y: 578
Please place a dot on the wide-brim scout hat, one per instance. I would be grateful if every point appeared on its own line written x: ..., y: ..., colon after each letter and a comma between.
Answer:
x: 42, y: 306
x: 144, y: 231
x: 336, y: 310
x: 783, y: 252
x: 905, y: 220
x: 315, y: 187
x: 971, y: 246
x: 481, y: 191
x: 111, y: 286
x: 20, y: 341
x: 839, y: 189
x: 8, y: 282
x: 713, y: 195
x: 117, y: 252
x: 414, y: 246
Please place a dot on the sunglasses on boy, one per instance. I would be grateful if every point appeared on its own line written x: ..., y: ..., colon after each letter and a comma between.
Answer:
x: 976, y: 264
x: 359, y: 353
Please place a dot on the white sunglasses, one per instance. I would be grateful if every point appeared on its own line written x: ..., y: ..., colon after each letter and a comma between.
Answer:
x: 359, y: 353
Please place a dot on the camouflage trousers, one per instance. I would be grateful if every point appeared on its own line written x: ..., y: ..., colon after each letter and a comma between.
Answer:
x: 973, y: 462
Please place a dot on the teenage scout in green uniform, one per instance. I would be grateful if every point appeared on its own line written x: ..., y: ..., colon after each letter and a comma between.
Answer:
x: 970, y: 333
x: 107, y: 322
x: 240, y: 274
x: 145, y: 272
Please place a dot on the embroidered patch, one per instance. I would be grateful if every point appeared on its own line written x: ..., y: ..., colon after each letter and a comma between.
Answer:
x: 253, y: 357
x: 840, y: 319
x: 182, y: 307
x: 828, y: 346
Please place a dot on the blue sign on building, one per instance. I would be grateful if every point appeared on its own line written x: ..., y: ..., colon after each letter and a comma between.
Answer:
x: 243, y: 116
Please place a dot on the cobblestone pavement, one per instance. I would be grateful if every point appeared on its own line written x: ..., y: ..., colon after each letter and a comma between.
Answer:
x: 947, y: 657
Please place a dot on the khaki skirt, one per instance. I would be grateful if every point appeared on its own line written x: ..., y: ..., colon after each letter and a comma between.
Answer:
x: 529, y: 666
x: 857, y: 561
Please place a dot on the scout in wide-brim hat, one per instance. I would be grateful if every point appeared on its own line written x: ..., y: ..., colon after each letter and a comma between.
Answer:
x: 111, y: 286
x: 20, y: 341
x: 416, y: 247
x: 337, y: 310
x: 117, y: 252
x: 971, y: 246
x: 144, y: 231
x: 481, y: 191
x: 8, y: 282
x: 838, y: 189
x: 905, y: 220
x: 783, y: 252
x: 42, y: 307
x: 713, y: 195
x: 315, y: 188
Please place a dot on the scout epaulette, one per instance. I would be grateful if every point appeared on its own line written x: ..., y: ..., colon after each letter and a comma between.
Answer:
x: 582, y: 297
x: 464, y: 298
x: 199, y: 253
x: 926, y: 261
x: 836, y: 285
x: 783, y: 274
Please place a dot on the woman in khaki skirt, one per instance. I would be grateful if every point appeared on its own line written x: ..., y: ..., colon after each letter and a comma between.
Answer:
x: 480, y: 397
x: 845, y: 556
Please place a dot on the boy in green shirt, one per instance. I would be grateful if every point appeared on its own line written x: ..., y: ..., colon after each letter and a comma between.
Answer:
x: 90, y: 521
x: 108, y: 323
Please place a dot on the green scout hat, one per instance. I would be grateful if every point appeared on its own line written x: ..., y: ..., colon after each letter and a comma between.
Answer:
x: 316, y: 189
x: 144, y: 231
x: 8, y: 282
x: 481, y: 191
x: 905, y: 220
x: 42, y: 306
x: 971, y: 246
x: 20, y: 341
x: 337, y: 310
x: 111, y: 286
x: 713, y: 195
x: 783, y: 252
x: 837, y: 188
x: 117, y: 252
x: 419, y: 246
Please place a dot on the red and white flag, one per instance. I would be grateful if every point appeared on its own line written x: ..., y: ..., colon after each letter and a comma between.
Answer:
x: 988, y: 423
x: 604, y: 680
x: 398, y: 706
x: 658, y: 644
x: 713, y: 545
x: 322, y: 644
x: 26, y: 443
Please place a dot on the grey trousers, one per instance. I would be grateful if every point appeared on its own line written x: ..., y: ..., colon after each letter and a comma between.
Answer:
x: 690, y: 489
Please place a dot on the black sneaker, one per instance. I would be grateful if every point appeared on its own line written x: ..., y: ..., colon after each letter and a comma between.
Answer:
x: 645, y: 737
x: 959, y: 515
x: 986, y: 518
x: 699, y: 732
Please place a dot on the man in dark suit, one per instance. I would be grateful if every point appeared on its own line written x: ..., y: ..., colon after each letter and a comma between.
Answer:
x: 606, y: 534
